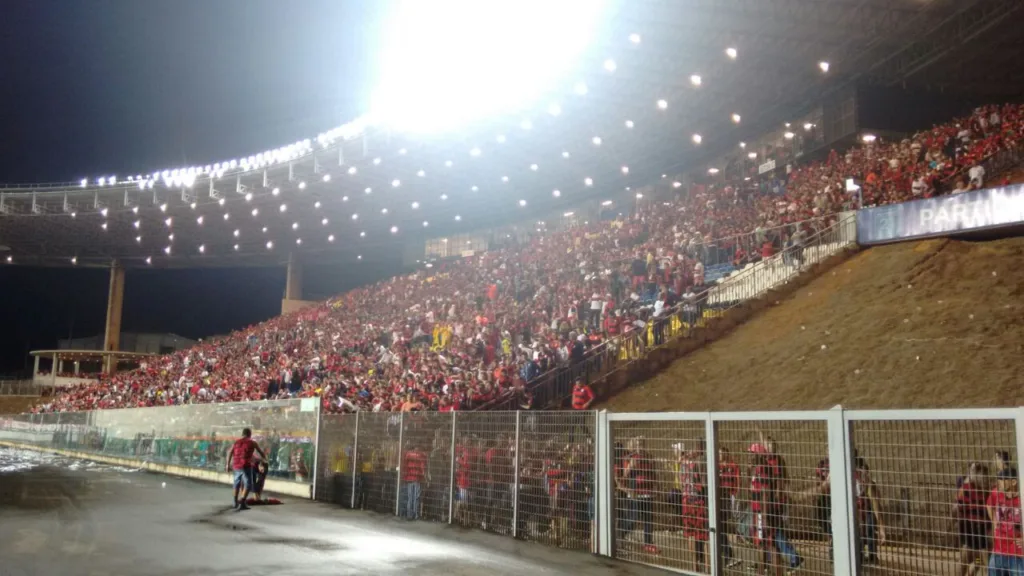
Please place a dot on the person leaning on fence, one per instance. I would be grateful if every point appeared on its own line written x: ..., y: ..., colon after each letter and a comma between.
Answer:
x: 972, y: 519
x: 1007, y: 558
x: 637, y: 482
x: 871, y: 534
x: 240, y: 461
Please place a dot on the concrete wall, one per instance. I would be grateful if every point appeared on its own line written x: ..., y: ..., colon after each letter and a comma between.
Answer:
x: 294, y: 305
x: 297, y: 489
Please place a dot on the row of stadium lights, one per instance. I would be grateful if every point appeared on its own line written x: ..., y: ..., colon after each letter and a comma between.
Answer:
x: 186, y: 177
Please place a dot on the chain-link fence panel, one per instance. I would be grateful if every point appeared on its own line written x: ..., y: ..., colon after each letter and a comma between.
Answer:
x: 335, y: 481
x: 661, y: 493
x: 556, y: 503
x: 377, y: 453
x: 923, y: 491
x: 426, y: 466
x: 484, y: 470
x: 774, y: 500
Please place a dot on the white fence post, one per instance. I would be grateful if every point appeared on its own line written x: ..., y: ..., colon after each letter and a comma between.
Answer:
x: 711, y: 452
x: 354, y: 462
x: 316, y: 453
x: 515, y: 481
x: 398, y: 469
x: 451, y: 473
x: 843, y: 499
x: 1018, y: 425
x: 604, y: 485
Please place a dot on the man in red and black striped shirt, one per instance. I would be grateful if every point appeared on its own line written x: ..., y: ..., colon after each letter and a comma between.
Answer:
x: 414, y: 472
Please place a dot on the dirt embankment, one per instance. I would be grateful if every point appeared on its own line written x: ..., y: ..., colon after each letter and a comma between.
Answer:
x: 936, y: 323
x: 17, y: 404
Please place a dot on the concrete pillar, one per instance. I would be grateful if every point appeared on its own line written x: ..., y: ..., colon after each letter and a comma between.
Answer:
x: 53, y: 371
x: 115, y: 302
x: 60, y: 366
x: 35, y: 369
x: 293, y: 282
x: 76, y: 367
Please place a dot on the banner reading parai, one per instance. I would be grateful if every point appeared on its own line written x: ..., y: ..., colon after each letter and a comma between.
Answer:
x: 944, y: 215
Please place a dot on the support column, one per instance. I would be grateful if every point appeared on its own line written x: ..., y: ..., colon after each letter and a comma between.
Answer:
x: 53, y: 370
x: 115, y: 302
x: 35, y: 369
x: 293, y: 286
x: 293, y: 283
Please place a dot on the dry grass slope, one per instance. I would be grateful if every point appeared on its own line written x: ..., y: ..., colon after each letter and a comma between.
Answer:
x: 17, y: 404
x: 936, y: 323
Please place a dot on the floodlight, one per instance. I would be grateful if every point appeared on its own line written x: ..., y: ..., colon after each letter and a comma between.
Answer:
x: 449, y: 63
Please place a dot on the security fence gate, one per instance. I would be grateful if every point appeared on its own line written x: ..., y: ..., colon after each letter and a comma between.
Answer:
x: 824, y: 492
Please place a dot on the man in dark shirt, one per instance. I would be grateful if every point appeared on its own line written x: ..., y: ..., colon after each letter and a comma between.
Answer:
x: 240, y: 461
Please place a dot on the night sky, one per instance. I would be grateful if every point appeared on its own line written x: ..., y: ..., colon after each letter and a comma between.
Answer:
x: 93, y: 87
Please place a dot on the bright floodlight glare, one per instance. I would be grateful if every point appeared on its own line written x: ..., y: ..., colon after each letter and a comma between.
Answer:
x: 788, y: 135
x: 634, y: 38
x: 662, y: 104
x: 526, y: 125
x: 275, y: 191
x: 556, y: 193
x: 327, y: 177
x: 534, y: 167
x: 330, y: 238
x: 695, y: 79
x: 697, y: 139
x: 474, y: 152
x: 588, y: 181
x: 606, y: 203
x: 808, y: 126
x: 554, y: 109
x: 625, y: 169
x: 149, y: 260
x: 629, y: 124
x: 504, y: 179
x: 752, y: 155
x: 743, y: 145
x: 522, y: 202
x: 869, y: 138
x: 731, y: 53
x: 396, y: 183
x: 736, y: 118
x: 712, y: 170
x: 639, y: 196
x: 500, y: 138
x: 352, y: 170
x: 394, y: 229
x: 302, y: 185
x: 823, y: 65
x: 580, y: 88
x: 610, y: 65
x: 565, y: 154
x: 447, y: 63
x: 415, y: 205
x: 596, y: 140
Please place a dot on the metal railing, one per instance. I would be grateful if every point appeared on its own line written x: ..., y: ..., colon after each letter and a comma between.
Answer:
x: 21, y: 388
x: 831, y: 492
x: 555, y: 387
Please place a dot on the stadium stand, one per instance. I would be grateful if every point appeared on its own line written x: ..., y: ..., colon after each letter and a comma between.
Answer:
x: 469, y: 331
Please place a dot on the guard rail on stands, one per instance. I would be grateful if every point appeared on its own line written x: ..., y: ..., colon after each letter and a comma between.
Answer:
x: 555, y: 387
x: 21, y: 388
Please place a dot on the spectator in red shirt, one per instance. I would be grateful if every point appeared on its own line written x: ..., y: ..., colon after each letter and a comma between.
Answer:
x: 971, y: 516
x: 240, y: 461
x: 1007, y: 558
x: 582, y: 395
x: 414, y: 472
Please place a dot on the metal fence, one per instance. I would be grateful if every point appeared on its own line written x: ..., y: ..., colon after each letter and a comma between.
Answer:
x: 21, y: 388
x: 752, y: 282
x: 823, y: 492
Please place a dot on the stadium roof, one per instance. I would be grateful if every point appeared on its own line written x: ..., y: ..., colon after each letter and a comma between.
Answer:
x: 662, y: 74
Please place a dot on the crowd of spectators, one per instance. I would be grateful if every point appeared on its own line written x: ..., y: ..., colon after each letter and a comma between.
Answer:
x: 466, y: 331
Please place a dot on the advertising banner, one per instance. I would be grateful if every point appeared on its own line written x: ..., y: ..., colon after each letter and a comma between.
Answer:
x: 941, y: 216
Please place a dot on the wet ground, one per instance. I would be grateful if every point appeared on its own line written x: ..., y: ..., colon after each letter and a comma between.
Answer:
x: 64, y: 516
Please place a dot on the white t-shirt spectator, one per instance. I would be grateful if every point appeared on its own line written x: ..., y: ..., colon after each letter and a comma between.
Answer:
x: 977, y: 175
